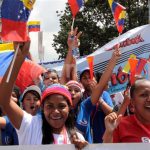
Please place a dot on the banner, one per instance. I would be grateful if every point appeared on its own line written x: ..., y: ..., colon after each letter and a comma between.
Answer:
x: 134, y: 42
x: 112, y: 146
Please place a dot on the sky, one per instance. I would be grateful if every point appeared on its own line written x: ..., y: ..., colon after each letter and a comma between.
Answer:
x: 45, y: 11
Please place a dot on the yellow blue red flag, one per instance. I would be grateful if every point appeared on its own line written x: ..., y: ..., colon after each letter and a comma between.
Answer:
x: 33, y: 26
x: 14, y: 16
x: 75, y: 6
x: 119, y: 13
x: 29, y: 3
x: 29, y: 71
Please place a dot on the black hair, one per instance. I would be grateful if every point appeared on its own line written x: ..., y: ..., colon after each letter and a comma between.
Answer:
x: 47, y: 129
x: 32, y: 92
x: 16, y: 90
x: 134, y: 86
x: 98, y: 75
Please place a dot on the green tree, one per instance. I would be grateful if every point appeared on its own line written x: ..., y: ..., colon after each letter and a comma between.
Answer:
x: 96, y: 22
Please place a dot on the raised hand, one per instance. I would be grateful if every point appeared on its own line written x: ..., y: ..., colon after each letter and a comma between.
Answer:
x: 111, y: 121
x: 79, y: 144
x: 23, y: 48
x: 117, y: 52
x: 73, y: 38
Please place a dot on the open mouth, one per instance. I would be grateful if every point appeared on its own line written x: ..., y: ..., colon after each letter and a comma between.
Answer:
x: 32, y: 107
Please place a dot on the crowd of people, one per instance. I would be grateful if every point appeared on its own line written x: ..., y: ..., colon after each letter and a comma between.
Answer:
x: 71, y: 109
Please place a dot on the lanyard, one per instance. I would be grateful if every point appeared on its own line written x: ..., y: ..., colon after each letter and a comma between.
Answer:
x: 64, y: 134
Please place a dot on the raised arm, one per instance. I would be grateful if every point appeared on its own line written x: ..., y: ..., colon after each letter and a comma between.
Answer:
x: 105, y: 77
x: 105, y: 107
x: 13, y: 111
x: 69, y: 63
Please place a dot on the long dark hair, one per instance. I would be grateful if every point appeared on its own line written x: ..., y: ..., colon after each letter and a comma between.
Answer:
x: 47, y: 129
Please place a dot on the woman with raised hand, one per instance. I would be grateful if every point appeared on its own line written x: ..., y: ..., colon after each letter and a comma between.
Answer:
x: 54, y: 126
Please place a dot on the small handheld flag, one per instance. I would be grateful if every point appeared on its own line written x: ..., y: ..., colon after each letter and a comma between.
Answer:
x: 119, y: 13
x: 90, y: 60
x: 133, y: 64
x: 33, y: 26
x: 75, y: 6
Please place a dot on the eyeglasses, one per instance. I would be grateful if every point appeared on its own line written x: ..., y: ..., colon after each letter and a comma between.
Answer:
x: 46, y: 74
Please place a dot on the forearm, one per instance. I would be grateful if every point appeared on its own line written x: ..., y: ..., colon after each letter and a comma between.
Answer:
x: 123, y: 108
x: 105, y: 107
x: 107, y: 73
x: 6, y: 87
x: 103, y: 81
x: 108, y: 137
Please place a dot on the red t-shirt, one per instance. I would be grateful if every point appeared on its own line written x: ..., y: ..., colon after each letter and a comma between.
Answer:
x: 130, y: 130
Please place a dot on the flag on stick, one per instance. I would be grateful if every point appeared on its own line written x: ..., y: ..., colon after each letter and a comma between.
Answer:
x: 14, y: 19
x: 141, y: 65
x: 33, y: 26
x: 90, y: 60
x: 119, y: 13
x: 75, y: 6
x: 133, y: 63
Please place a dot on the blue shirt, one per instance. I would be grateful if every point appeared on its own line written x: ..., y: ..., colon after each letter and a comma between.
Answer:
x: 83, y: 119
x: 9, y: 135
x: 97, y: 121
x: 86, y: 124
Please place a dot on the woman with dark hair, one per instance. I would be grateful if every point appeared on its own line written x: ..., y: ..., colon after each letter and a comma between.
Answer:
x: 56, y: 104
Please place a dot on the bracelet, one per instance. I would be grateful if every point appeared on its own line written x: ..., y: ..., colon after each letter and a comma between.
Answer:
x: 101, y: 102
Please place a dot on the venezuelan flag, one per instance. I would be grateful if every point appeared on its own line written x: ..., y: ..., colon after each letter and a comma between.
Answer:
x: 33, y: 26
x: 119, y: 13
x: 14, y: 16
x: 6, y: 55
x: 29, y: 3
x: 75, y: 6
x: 29, y: 71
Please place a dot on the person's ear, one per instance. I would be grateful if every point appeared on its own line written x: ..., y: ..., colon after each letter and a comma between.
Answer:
x: 132, y: 105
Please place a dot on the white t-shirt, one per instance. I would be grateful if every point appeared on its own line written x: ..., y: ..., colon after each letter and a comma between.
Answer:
x: 30, y: 132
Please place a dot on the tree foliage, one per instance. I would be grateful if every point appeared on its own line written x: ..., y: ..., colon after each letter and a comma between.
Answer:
x: 96, y: 22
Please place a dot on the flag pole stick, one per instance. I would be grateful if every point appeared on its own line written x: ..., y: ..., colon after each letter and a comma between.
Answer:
x: 72, y: 26
x: 12, y: 64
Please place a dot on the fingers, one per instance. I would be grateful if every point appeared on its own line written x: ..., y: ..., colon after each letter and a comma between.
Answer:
x: 79, y: 34
x: 93, y: 84
x: 111, y: 117
x: 75, y: 34
x: 118, y: 119
x: 79, y: 144
x: 75, y: 31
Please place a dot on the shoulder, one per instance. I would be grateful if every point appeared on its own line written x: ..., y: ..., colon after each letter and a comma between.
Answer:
x: 29, y: 120
x: 127, y: 120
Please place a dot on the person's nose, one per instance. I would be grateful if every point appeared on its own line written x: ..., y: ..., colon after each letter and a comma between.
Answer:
x: 148, y: 99
x: 56, y: 110
x: 32, y: 100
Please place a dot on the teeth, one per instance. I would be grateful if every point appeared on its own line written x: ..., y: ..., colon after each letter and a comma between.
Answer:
x: 147, y: 106
x: 55, y: 118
